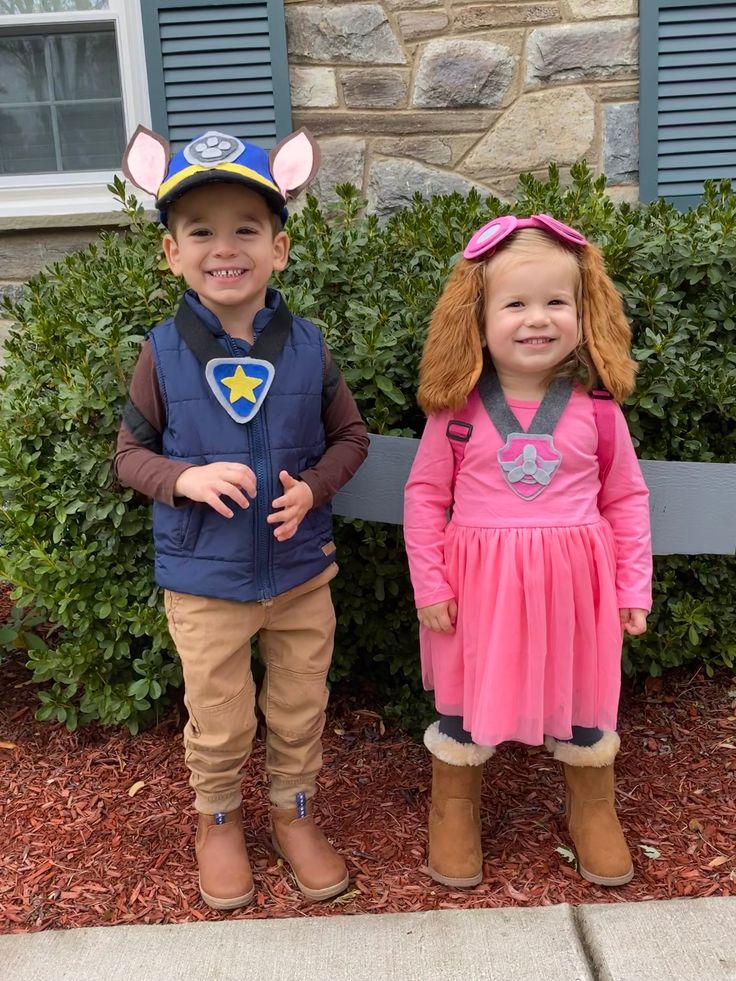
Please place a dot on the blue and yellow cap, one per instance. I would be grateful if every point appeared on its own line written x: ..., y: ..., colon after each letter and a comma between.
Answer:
x: 216, y: 156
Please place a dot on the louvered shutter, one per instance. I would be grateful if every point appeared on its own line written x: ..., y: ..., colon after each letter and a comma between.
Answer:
x: 217, y: 64
x: 688, y: 97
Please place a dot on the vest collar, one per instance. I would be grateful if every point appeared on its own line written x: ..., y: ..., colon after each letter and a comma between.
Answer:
x: 208, y: 318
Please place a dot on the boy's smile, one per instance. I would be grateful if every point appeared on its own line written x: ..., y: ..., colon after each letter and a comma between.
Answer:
x: 224, y: 244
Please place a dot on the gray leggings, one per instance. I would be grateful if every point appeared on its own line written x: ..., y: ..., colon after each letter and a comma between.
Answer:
x: 452, y: 726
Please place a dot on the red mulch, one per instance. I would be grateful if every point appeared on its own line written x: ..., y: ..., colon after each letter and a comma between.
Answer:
x: 78, y: 850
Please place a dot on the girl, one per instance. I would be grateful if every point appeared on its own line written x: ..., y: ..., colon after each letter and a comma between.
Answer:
x: 524, y: 593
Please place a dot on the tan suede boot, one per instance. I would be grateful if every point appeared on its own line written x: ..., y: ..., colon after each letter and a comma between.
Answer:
x: 225, y: 878
x: 603, y: 855
x: 455, y: 855
x: 319, y: 871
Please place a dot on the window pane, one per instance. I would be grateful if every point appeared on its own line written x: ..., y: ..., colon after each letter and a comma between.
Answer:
x: 50, y: 6
x: 22, y: 70
x: 27, y: 146
x: 92, y: 135
x: 85, y: 65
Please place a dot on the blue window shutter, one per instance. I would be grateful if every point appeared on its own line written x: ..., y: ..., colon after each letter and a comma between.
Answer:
x: 217, y: 64
x: 688, y: 97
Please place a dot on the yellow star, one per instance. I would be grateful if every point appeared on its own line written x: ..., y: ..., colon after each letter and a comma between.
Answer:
x: 241, y: 385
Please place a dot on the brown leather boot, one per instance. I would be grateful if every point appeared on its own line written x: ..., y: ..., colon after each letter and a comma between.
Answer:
x: 319, y: 871
x: 603, y: 855
x: 225, y: 878
x: 455, y: 856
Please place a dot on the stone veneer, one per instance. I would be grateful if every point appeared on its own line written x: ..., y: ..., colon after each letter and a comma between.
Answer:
x: 443, y: 95
x: 436, y: 96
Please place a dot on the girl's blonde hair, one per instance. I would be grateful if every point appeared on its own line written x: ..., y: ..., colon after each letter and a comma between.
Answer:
x: 453, y: 353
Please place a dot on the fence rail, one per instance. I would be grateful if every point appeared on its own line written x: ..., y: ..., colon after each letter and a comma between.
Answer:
x: 692, y: 505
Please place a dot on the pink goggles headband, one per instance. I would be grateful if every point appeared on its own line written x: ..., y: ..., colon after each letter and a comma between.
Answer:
x: 488, y: 237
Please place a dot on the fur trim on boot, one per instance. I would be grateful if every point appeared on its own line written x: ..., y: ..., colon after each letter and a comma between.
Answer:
x: 450, y: 751
x: 601, y: 753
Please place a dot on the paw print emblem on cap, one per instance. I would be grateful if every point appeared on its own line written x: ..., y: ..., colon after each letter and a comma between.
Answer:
x: 213, y: 148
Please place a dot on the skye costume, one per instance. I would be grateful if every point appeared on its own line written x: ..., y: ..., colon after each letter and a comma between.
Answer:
x: 543, y: 566
x: 534, y: 519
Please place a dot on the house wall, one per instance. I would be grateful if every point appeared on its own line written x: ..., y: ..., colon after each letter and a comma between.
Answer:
x: 435, y: 96
x: 444, y: 95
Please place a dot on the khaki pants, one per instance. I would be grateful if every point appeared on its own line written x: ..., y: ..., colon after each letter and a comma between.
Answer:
x: 295, y: 639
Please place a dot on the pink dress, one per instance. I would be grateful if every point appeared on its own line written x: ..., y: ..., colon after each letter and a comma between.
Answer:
x: 538, y: 583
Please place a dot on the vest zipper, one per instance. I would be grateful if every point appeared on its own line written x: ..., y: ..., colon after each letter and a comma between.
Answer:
x: 262, y: 533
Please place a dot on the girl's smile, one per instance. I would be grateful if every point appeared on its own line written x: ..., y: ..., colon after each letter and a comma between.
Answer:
x: 531, y: 317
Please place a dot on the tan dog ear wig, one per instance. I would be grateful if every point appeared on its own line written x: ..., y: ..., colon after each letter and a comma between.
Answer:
x: 606, y: 332
x: 453, y: 353
x: 453, y: 356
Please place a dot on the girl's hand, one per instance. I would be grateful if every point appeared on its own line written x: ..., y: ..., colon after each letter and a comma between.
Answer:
x: 296, y: 500
x: 440, y: 617
x: 633, y: 621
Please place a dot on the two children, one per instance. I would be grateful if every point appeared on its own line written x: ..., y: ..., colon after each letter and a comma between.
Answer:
x: 241, y: 429
x: 241, y: 486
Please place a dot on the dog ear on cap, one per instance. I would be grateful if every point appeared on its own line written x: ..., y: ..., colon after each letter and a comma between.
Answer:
x: 146, y: 159
x: 294, y: 162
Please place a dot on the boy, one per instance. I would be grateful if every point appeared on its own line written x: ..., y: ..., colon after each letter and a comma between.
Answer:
x: 234, y: 398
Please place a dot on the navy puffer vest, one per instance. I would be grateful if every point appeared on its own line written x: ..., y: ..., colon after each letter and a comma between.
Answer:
x: 198, y: 550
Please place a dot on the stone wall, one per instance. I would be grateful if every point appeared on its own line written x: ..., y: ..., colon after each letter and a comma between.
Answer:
x: 435, y: 96
x: 443, y: 95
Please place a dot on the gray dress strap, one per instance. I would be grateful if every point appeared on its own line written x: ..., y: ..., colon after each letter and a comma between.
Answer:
x: 501, y: 415
x: 528, y: 458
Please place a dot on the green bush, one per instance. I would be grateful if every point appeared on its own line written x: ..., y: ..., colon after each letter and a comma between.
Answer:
x: 77, y: 547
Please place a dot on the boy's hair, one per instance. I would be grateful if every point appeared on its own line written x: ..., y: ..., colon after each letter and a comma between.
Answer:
x: 453, y: 354
x: 172, y: 219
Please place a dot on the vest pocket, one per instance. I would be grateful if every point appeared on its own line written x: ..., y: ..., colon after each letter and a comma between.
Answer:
x: 189, y: 527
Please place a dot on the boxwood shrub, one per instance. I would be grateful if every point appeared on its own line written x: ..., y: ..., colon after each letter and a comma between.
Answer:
x: 77, y: 547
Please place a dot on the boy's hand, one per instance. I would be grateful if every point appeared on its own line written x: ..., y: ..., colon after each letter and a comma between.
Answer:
x: 296, y: 500
x: 633, y: 621
x: 209, y: 482
x: 440, y: 617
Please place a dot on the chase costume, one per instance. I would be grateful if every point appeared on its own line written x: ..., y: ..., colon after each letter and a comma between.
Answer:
x: 202, y: 397
x: 198, y: 550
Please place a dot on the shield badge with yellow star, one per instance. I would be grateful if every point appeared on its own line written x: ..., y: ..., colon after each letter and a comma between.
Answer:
x: 240, y: 384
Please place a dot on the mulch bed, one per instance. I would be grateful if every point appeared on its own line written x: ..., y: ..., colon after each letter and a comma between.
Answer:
x: 79, y: 850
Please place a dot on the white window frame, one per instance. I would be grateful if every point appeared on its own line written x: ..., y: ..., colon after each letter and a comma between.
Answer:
x: 81, y: 193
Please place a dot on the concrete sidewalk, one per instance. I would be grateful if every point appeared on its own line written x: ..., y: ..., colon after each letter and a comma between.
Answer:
x: 677, y: 940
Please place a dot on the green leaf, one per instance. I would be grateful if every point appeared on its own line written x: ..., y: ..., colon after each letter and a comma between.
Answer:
x: 567, y: 854
x: 140, y: 688
x: 34, y: 642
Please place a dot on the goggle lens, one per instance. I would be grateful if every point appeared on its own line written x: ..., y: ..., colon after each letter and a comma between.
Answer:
x: 494, y: 232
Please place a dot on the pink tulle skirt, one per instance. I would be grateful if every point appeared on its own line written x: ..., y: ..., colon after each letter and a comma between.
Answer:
x: 537, y: 643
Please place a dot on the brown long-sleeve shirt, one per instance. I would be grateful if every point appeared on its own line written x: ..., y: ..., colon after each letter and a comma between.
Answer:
x: 155, y: 475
